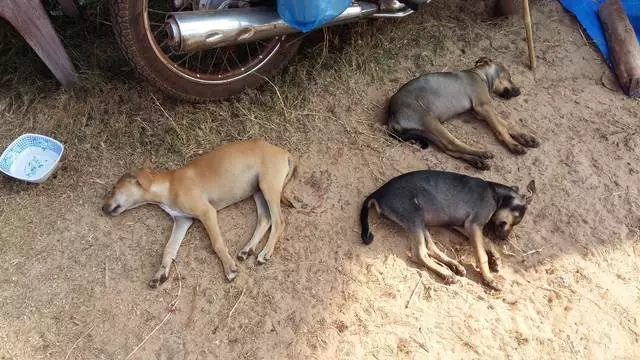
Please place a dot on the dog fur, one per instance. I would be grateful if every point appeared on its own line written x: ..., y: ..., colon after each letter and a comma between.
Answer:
x: 422, y: 199
x: 222, y: 177
x: 416, y: 112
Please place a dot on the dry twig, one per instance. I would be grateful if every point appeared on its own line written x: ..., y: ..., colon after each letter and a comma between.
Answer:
x: 172, y: 307
x: 78, y: 341
x: 414, y: 290
x: 236, y: 305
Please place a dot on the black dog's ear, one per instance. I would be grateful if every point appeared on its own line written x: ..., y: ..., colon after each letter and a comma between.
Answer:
x: 483, y: 61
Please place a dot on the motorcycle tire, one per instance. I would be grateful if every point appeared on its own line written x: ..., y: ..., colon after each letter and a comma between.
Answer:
x: 130, y: 21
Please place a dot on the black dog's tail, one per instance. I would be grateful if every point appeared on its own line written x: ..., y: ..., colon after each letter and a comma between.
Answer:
x: 367, y: 236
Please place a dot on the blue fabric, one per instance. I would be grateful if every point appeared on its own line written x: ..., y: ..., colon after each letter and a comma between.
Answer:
x: 587, y: 13
x: 307, y: 15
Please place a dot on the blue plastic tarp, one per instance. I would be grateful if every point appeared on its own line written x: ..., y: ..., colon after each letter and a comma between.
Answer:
x: 307, y: 15
x: 586, y: 11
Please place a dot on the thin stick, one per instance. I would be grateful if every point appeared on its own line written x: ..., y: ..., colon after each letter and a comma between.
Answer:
x: 422, y: 346
x: 413, y: 292
x: 172, y: 306
x: 78, y: 341
x: 515, y: 246
x: 234, y: 306
x: 529, y: 32
x: 284, y: 108
x: 175, y: 126
x: 532, y: 252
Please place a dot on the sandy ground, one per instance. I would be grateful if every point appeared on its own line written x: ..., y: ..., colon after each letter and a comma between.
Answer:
x: 74, y: 282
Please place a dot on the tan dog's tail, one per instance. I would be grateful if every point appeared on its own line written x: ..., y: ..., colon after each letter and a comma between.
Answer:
x: 292, y: 170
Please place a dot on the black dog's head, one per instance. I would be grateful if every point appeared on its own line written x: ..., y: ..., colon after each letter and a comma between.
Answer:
x: 498, y: 77
x: 511, y: 208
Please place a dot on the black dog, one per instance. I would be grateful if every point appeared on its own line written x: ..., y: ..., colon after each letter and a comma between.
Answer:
x: 422, y: 199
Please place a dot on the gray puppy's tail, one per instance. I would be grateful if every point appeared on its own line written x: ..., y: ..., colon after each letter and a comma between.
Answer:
x: 367, y: 236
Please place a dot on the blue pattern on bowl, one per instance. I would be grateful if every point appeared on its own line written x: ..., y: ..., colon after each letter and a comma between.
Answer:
x: 24, y: 142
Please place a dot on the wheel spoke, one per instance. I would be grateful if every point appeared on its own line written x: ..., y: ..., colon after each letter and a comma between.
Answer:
x: 213, y: 61
x: 214, y: 64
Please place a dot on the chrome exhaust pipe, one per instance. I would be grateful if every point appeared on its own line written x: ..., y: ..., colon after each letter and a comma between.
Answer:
x: 191, y: 31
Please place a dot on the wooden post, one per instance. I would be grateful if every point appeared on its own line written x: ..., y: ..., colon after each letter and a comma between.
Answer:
x: 31, y: 20
x: 529, y: 33
x: 623, y: 46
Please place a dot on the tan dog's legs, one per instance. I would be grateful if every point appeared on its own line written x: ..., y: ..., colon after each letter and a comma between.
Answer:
x: 264, y: 221
x: 271, y: 186
x: 513, y: 140
x: 478, y: 243
x: 209, y: 217
x: 419, y: 255
x: 442, y: 257
x: 180, y: 227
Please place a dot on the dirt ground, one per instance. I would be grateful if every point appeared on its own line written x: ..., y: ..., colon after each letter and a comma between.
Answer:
x: 74, y: 282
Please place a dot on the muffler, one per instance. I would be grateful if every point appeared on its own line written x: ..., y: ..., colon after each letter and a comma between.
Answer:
x: 191, y: 31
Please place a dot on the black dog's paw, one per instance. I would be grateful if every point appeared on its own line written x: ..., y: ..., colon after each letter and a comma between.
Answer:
x: 478, y: 163
x: 459, y: 270
x: 495, y: 263
x: 486, y: 155
x: 526, y: 140
x: 517, y: 149
x: 495, y: 283
x: 450, y: 279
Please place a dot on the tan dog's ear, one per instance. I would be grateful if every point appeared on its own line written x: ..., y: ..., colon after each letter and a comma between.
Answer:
x: 483, y: 61
x: 144, y: 179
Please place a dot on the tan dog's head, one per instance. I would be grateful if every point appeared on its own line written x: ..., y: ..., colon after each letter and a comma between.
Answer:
x: 511, y: 209
x: 128, y: 192
x: 498, y: 77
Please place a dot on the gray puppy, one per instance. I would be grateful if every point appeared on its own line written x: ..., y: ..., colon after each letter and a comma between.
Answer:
x: 417, y: 111
x: 422, y: 199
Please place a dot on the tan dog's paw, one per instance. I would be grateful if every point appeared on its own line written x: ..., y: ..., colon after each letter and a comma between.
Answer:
x: 495, y: 282
x: 263, y: 257
x: 526, y: 140
x: 231, y: 275
x: 159, y: 278
x: 244, y: 254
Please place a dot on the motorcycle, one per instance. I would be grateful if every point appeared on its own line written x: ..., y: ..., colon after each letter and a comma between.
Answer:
x: 193, y: 50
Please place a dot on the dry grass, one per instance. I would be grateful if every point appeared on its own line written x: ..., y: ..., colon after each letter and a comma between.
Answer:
x: 64, y: 267
x: 110, y: 106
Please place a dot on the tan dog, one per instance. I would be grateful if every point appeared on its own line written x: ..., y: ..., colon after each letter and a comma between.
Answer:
x: 200, y: 189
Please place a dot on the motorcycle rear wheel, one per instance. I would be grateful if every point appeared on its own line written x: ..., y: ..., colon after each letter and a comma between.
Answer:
x: 195, y: 77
